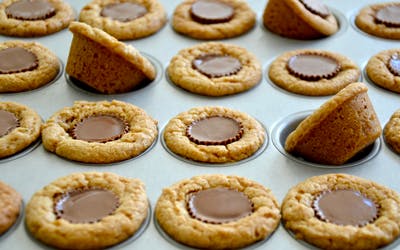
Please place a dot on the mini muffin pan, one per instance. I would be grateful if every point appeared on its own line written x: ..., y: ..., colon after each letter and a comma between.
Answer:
x: 162, y: 100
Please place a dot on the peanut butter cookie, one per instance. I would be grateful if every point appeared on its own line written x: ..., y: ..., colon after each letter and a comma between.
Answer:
x: 19, y: 128
x: 30, y: 18
x: 340, y: 211
x: 215, y: 69
x: 125, y: 20
x: 381, y: 20
x: 213, y: 19
x: 87, y: 210
x: 391, y: 131
x: 10, y: 204
x: 99, y: 132
x: 313, y: 72
x: 214, y: 135
x: 217, y: 212
x: 26, y: 66
x: 384, y: 69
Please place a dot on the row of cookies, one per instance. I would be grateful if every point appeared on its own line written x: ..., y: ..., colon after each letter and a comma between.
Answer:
x: 93, y: 210
x: 108, y: 66
x: 200, y: 19
x: 106, y: 132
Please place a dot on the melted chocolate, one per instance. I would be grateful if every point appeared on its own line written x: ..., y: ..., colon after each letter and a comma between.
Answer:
x: 389, y: 16
x: 8, y: 122
x: 214, y: 130
x: 316, y: 7
x: 217, y: 65
x: 219, y: 205
x: 345, y: 207
x: 16, y: 60
x: 30, y: 10
x: 101, y: 128
x: 211, y: 11
x: 312, y: 67
x: 123, y: 12
x: 86, y: 206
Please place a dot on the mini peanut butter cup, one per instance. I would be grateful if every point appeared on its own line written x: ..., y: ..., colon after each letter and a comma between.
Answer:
x: 124, y: 12
x: 8, y: 122
x: 345, y: 207
x: 218, y: 205
x: 211, y: 11
x: 389, y: 15
x: 394, y: 64
x: 214, y: 130
x: 30, y: 10
x: 85, y: 205
x: 313, y: 67
x: 213, y: 66
x: 99, y: 128
x: 316, y: 7
x: 16, y: 60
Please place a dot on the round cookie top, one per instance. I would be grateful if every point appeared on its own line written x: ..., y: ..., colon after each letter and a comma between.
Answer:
x: 31, y: 10
x: 124, y: 12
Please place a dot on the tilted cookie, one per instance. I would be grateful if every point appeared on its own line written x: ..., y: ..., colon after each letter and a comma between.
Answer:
x: 99, y: 132
x: 217, y: 212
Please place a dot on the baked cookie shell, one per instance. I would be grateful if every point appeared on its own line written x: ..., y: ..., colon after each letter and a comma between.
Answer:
x: 280, y: 75
x: 23, y: 28
x: 140, y: 27
x: 141, y: 135
x: 182, y: 73
x: 298, y: 216
x: 243, y: 20
x: 179, y: 143
x: 391, y: 131
x: 44, y: 225
x: 47, y: 70
x: 10, y: 204
x: 173, y: 217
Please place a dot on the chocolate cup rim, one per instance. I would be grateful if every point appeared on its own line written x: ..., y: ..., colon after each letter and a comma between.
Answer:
x: 292, y: 120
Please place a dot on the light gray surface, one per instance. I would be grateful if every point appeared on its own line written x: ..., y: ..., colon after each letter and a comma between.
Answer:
x: 157, y: 168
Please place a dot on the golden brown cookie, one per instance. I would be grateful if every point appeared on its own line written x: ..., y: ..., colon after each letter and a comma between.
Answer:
x: 338, y: 129
x: 215, y: 69
x: 380, y: 20
x: 340, y: 211
x: 299, y: 19
x: 384, y: 69
x: 104, y: 63
x: 217, y: 212
x: 214, y: 135
x: 111, y: 209
x: 26, y: 66
x: 10, y: 204
x: 213, y: 19
x: 30, y: 18
x: 125, y: 20
x: 99, y: 132
x: 19, y: 128
x: 313, y: 72
x: 391, y: 131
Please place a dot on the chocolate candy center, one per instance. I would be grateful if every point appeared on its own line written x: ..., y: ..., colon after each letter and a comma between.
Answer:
x: 214, y: 130
x: 389, y: 15
x: 219, y: 205
x: 8, y: 122
x: 312, y: 67
x: 123, y: 12
x: 16, y: 60
x: 100, y: 128
x: 211, y: 11
x: 217, y: 65
x: 345, y: 207
x: 316, y: 7
x: 86, y: 206
x: 30, y: 10
x: 394, y: 65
